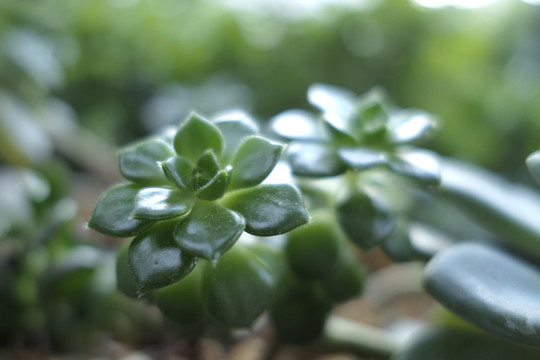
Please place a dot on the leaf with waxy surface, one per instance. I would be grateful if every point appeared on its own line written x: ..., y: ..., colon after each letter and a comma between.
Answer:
x: 238, y: 288
x: 140, y: 162
x: 234, y: 131
x: 209, y: 230
x: 365, y: 219
x: 362, y: 158
x: 314, y: 159
x: 336, y: 104
x: 410, y: 125
x: 157, y: 261
x: 269, y: 209
x: 208, y: 164
x: 125, y: 281
x: 195, y: 136
x: 112, y: 214
x: 453, y: 343
x: 178, y: 170
x: 533, y: 163
x: 216, y: 187
x: 253, y: 161
x: 158, y: 203
x: 419, y: 165
x: 298, y: 124
x: 490, y: 287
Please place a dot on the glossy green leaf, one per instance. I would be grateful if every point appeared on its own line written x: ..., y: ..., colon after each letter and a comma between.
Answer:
x: 182, y: 301
x: 253, y: 161
x: 112, y: 214
x: 371, y: 117
x: 208, y: 164
x: 453, y: 343
x: 347, y: 280
x: 269, y: 209
x: 125, y: 280
x: 140, y: 163
x: 234, y: 132
x: 314, y: 159
x: 533, y: 163
x: 365, y: 219
x: 195, y: 136
x: 209, y: 230
x: 410, y: 125
x: 299, y: 313
x: 313, y: 250
x: 419, y: 165
x: 398, y: 245
x: 336, y: 104
x: 156, y: 259
x: 507, y: 209
x: 238, y: 288
x: 216, y: 187
x: 362, y: 158
x: 298, y: 124
x: 490, y: 287
x: 158, y: 203
x: 178, y: 170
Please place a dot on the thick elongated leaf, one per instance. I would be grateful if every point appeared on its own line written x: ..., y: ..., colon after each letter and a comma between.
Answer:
x: 158, y: 203
x: 361, y: 158
x: 157, y: 261
x: 507, y: 209
x: 234, y: 132
x: 140, y: 163
x: 365, y: 219
x: 216, y: 187
x: 336, y: 104
x: 489, y: 287
x: 125, y: 280
x: 533, y: 163
x: 253, y: 161
x: 112, y: 214
x: 178, y: 170
x: 209, y: 230
x: 208, y: 164
x: 269, y: 209
x: 453, y: 343
x: 410, y: 125
x: 314, y: 159
x: 195, y: 136
x: 419, y: 165
x: 298, y: 124
x: 313, y: 250
x: 182, y: 301
x: 238, y: 288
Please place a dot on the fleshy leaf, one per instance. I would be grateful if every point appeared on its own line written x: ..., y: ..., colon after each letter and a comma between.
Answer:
x: 490, y: 287
x: 419, y: 165
x: 140, y: 163
x: 125, y: 281
x: 158, y: 203
x: 234, y: 131
x: 209, y: 230
x: 182, y: 301
x: 314, y: 159
x: 533, y: 163
x: 208, y: 164
x: 216, y: 187
x: 157, y: 261
x: 313, y: 250
x: 253, y: 161
x: 195, y: 136
x: 298, y: 124
x: 452, y: 343
x: 238, y: 288
x: 361, y: 158
x: 178, y: 170
x: 336, y: 104
x: 365, y: 219
x: 371, y: 116
x: 112, y: 214
x: 269, y: 209
x: 410, y: 125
